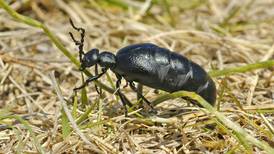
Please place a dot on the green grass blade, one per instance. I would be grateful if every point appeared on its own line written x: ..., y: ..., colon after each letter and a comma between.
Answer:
x: 66, y: 129
x: 241, y: 69
x: 75, y: 106
x: 243, y: 142
x: 84, y: 116
x: 84, y: 97
x: 118, y: 3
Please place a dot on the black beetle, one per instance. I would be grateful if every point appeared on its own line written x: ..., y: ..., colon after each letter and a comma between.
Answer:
x: 151, y: 66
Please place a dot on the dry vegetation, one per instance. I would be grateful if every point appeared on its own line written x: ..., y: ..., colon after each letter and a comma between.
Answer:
x: 217, y: 34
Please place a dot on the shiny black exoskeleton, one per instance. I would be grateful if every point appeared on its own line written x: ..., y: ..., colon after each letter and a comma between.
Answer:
x: 151, y: 66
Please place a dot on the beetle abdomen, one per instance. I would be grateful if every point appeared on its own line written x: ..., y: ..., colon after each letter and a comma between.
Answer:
x: 160, y: 68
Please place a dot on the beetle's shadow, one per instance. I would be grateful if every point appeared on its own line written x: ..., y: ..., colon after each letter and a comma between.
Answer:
x: 164, y: 110
x: 175, y: 112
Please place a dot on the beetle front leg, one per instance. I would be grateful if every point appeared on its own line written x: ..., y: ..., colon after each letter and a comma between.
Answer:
x: 89, y: 80
x: 96, y: 88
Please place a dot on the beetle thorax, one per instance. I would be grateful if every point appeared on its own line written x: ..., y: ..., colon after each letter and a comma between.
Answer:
x: 107, y: 60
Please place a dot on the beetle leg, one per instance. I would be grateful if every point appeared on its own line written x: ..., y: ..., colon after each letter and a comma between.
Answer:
x: 118, y: 83
x: 96, y: 88
x: 132, y: 86
x: 89, y: 80
x: 123, y: 98
x: 140, y: 91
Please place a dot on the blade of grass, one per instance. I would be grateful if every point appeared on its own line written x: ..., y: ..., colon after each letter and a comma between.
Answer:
x: 241, y: 69
x: 231, y: 95
x: 258, y: 128
x: 20, y: 143
x: 268, y: 124
x: 243, y: 142
x: 166, y: 6
x: 189, y: 5
x: 233, y: 12
x: 118, y: 3
x: 220, y: 30
x: 84, y: 116
x: 261, y: 111
x: 99, y: 115
x: 84, y: 97
x: 66, y: 129
x: 110, y: 81
x: 94, y: 124
x: 234, y: 149
x: 75, y: 106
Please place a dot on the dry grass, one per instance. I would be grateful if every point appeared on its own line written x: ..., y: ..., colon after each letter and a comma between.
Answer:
x: 36, y: 116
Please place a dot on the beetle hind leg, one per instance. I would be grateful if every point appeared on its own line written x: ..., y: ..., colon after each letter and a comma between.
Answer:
x: 132, y: 86
x: 140, y: 92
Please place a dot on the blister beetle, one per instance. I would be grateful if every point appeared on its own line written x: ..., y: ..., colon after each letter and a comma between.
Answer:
x: 148, y: 65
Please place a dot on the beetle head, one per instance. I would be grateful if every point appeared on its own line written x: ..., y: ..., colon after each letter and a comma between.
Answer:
x: 90, y: 58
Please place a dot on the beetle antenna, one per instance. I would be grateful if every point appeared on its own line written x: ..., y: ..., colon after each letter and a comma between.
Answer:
x: 80, y: 43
